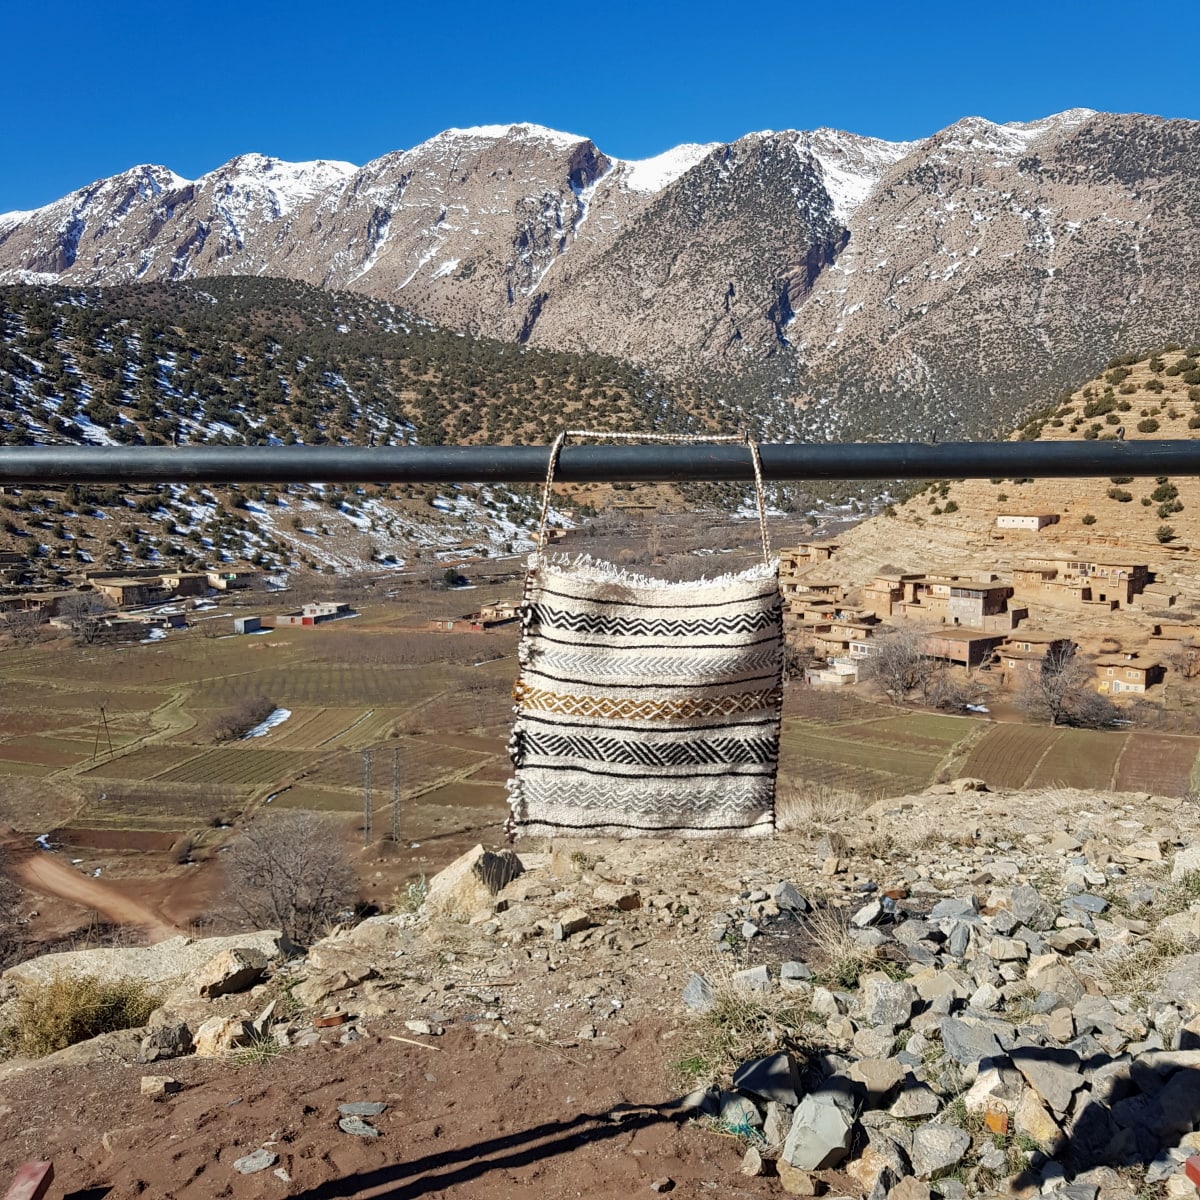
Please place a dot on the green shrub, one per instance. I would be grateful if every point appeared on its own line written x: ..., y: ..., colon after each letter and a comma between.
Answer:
x: 951, y: 506
x: 1165, y: 533
x: 67, y: 1010
x: 1147, y: 425
x: 1120, y: 494
x: 1089, y: 518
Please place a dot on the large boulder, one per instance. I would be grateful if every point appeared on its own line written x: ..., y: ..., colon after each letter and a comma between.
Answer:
x: 233, y: 970
x: 159, y: 966
x: 470, y: 883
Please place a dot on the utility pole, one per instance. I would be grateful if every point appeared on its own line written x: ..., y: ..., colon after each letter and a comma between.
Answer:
x: 367, y: 797
x: 395, y: 794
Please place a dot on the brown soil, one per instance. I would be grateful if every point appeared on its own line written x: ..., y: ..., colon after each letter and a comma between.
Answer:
x: 475, y: 1118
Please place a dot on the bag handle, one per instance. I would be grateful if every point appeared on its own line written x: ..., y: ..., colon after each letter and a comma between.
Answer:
x: 744, y: 438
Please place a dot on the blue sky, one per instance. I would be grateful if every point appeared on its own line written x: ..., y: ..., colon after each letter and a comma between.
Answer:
x: 94, y: 86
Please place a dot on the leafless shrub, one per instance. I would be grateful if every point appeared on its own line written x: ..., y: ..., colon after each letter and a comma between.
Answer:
x: 24, y: 626
x: 84, y: 613
x: 12, y: 940
x: 290, y: 871
x: 231, y: 723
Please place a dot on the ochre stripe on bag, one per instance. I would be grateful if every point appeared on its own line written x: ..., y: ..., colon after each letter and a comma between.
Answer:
x: 607, y: 708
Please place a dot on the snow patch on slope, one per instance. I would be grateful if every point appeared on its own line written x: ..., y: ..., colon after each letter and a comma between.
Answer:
x: 653, y: 174
x: 851, y: 165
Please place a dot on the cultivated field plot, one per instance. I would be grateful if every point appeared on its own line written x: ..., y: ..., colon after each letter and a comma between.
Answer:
x: 17, y: 722
x: 829, y: 706
x: 852, y: 759
x: 422, y: 763
x: 47, y: 752
x: 166, y: 809
x: 1081, y: 758
x: 468, y: 708
x: 926, y: 732
x: 1159, y: 763
x: 314, y: 684
x: 146, y: 763
x: 1008, y: 754
x: 68, y: 700
x: 241, y: 767
x: 317, y: 799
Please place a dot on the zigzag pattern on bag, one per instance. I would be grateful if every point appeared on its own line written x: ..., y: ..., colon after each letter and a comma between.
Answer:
x: 689, y: 664
x: 608, y: 625
x: 710, y: 751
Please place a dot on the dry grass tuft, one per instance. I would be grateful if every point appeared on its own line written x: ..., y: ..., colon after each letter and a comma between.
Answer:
x: 839, y: 960
x: 741, y: 1025
x: 806, y: 805
x: 1137, y: 970
x: 68, y: 1010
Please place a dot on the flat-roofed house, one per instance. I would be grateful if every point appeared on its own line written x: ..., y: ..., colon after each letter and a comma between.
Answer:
x: 1119, y: 674
x: 1030, y: 521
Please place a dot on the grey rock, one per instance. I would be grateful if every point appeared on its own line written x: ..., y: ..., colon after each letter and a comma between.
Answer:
x: 795, y: 970
x: 1029, y: 908
x: 771, y: 1078
x: 749, y: 930
x: 874, y: 1041
x: 357, y: 1127
x: 958, y: 938
x: 259, y: 1160
x: 870, y: 939
x: 166, y: 1041
x: 1072, y: 940
x: 915, y: 1100
x: 777, y: 1123
x: 820, y: 1135
x: 698, y: 994
x: 787, y: 896
x: 1086, y: 902
x: 1092, y: 1013
x: 938, y: 1149
x: 362, y: 1108
x: 739, y: 1113
x: 752, y: 1162
x: 958, y: 908
x: 753, y: 979
x: 1007, y: 950
x: 1053, y: 1074
x: 1181, y: 984
x: 965, y: 1042
x: 888, y: 1001
x: 1078, y: 1191
x: 1003, y: 922
x: 868, y: 915
x: 907, y: 933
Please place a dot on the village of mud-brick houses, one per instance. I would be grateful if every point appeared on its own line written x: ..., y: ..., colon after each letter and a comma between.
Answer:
x: 1105, y: 603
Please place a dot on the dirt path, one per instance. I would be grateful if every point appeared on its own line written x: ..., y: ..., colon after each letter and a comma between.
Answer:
x: 46, y: 874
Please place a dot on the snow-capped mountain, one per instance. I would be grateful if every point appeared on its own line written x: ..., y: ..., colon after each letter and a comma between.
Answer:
x: 953, y: 279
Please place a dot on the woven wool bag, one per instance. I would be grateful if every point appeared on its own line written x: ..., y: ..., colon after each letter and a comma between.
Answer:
x: 646, y: 708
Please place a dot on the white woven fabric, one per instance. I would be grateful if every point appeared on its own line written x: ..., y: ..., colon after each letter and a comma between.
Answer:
x: 646, y: 708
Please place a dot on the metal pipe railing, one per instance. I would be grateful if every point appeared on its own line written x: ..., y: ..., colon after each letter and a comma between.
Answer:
x: 33, y: 465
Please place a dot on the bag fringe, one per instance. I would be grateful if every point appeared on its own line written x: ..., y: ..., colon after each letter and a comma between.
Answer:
x: 596, y: 570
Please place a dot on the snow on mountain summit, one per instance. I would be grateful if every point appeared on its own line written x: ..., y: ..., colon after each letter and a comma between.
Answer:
x: 524, y: 129
x: 249, y: 179
x: 654, y: 174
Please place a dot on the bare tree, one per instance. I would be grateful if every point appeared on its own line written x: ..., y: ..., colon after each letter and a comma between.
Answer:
x: 291, y: 871
x: 23, y: 625
x: 1185, y: 660
x: 1061, y: 690
x: 11, y: 940
x: 900, y: 664
x: 84, y: 613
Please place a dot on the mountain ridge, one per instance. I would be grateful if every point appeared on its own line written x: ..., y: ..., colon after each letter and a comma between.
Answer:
x: 881, y: 287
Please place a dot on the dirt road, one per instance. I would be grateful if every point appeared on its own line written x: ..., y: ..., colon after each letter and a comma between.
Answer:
x: 49, y: 875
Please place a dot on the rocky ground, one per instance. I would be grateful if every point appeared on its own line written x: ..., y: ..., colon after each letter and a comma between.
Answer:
x: 961, y: 993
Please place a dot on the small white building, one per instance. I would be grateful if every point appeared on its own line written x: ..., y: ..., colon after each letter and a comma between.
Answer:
x: 1032, y: 521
